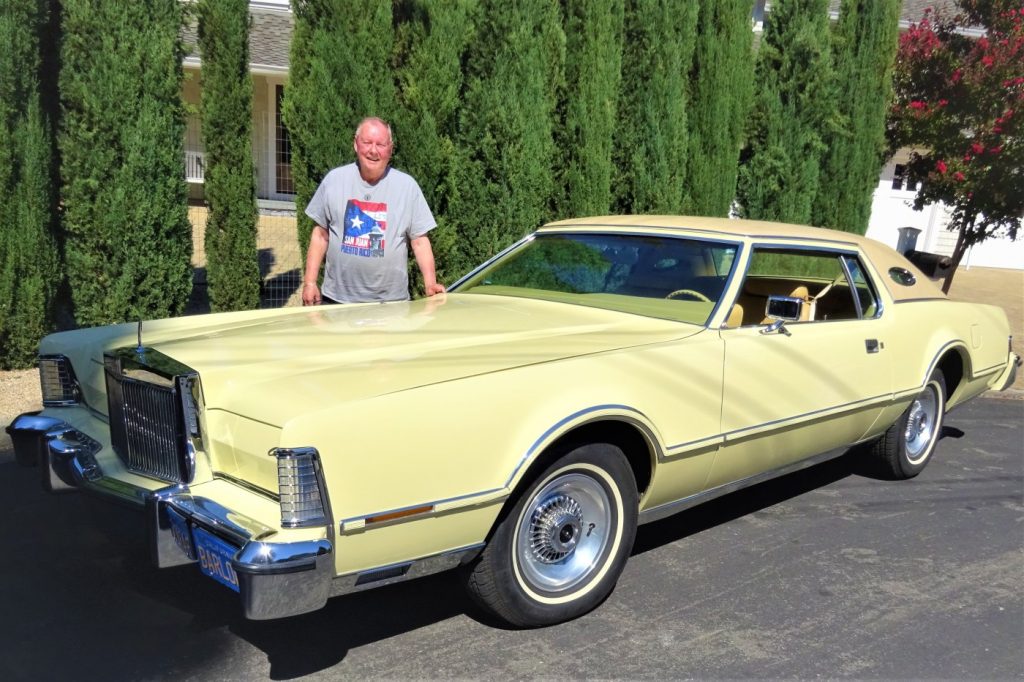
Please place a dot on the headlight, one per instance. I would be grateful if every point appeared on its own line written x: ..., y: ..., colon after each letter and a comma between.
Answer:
x: 301, y: 487
x: 57, y: 379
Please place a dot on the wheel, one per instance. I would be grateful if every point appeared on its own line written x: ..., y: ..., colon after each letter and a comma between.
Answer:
x: 905, y: 448
x: 558, y: 551
x: 696, y: 295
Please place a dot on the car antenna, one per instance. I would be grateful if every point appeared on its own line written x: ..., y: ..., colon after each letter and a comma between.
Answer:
x: 139, y: 350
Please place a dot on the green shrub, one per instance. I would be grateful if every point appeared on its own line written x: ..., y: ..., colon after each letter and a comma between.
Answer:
x: 129, y: 241
x: 232, y: 261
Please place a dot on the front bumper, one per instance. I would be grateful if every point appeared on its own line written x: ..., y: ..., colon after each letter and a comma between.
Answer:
x: 275, y: 579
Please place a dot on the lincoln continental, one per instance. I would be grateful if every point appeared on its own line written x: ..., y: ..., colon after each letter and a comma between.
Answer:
x: 599, y: 374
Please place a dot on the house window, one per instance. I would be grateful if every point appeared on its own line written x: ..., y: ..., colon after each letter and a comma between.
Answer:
x: 282, y: 150
x: 904, y: 180
x: 898, y: 176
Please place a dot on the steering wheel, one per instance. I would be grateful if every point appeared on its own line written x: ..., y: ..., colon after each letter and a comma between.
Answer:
x: 691, y: 293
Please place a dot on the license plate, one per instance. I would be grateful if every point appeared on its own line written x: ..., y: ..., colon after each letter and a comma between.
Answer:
x: 215, y: 558
x: 180, y: 533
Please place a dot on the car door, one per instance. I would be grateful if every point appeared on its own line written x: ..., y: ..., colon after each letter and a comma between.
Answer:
x: 816, y: 382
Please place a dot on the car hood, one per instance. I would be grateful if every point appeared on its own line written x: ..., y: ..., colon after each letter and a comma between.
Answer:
x: 274, y: 367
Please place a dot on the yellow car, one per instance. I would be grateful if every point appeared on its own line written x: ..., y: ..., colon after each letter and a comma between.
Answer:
x: 601, y: 373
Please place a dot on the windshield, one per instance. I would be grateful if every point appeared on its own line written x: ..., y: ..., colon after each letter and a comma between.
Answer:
x: 659, y: 276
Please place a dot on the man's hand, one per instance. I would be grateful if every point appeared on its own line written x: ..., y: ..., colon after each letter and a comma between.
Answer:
x: 435, y: 288
x: 310, y: 294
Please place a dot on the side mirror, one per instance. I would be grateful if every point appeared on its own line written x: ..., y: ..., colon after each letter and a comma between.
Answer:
x: 776, y: 327
x: 783, y: 308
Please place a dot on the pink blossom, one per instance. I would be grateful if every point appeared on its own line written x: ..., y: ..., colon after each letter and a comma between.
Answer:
x: 941, y: 166
x: 958, y: 176
x: 918, y: 105
x: 987, y: 61
x: 943, y: 102
x: 978, y: 148
x: 996, y: 150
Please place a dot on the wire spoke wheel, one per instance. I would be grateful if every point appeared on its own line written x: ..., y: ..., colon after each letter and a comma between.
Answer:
x: 558, y: 549
x: 922, y: 420
x: 563, y: 532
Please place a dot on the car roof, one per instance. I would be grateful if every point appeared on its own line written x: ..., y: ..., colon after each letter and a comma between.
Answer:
x: 731, y: 227
x: 882, y: 257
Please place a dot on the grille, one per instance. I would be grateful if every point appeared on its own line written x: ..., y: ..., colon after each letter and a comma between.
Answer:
x: 146, y: 428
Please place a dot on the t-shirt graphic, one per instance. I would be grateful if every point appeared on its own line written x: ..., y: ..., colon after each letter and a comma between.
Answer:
x: 365, y: 224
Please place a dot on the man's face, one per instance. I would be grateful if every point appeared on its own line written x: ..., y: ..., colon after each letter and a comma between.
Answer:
x: 373, y: 149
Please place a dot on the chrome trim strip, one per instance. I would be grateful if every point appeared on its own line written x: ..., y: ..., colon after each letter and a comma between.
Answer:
x: 938, y: 354
x: 919, y: 300
x: 216, y: 518
x: 988, y: 370
x: 694, y: 445
x: 357, y: 523
x: 405, y: 570
x: 670, y: 508
x: 501, y: 254
x: 835, y: 410
x: 676, y: 231
x: 251, y: 487
x: 572, y: 417
x: 853, y: 288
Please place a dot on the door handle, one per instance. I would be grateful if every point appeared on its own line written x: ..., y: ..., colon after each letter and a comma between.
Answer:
x: 872, y: 345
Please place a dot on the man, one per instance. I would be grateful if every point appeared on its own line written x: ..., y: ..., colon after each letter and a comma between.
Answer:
x: 367, y: 214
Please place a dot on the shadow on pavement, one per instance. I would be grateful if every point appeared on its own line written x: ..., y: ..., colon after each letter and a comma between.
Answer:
x: 81, y: 600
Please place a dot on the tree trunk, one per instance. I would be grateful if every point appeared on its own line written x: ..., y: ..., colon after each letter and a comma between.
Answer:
x: 958, y: 251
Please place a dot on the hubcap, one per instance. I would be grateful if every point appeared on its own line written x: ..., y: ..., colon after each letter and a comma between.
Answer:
x: 563, y: 532
x: 921, y: 421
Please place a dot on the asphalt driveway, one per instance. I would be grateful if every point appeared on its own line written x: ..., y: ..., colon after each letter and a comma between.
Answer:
x: 824, y: 573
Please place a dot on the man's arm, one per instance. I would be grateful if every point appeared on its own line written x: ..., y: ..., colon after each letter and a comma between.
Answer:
x: 425, y: 260
x: 314, y: 257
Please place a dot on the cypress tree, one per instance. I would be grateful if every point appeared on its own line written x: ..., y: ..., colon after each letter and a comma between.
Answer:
x: 29, y: 262
x: 593, y: 71
x: 864, y: 49
x: 505, y: 187
x: 651, y: 144
x: 233, y: 275
x: 430, y: 44
x: 129, y: 240
x: 340, y: 73
x: 793, y: 105
x: 722, y: 78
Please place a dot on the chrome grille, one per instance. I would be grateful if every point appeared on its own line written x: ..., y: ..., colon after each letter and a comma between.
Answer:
x: 146, y: 426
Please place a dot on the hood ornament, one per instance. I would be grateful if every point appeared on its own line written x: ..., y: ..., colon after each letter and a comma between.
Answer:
x: 139, y: 350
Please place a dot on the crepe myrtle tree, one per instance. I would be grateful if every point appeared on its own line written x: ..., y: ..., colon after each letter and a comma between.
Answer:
x: 959, y: 98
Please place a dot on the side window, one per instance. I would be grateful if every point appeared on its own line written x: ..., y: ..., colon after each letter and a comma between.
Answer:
x: 865, y: 294
x: 816, y: 283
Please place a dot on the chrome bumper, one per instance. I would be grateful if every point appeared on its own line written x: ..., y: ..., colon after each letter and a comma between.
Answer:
x: 276, y: 579
x: 1009, y: 375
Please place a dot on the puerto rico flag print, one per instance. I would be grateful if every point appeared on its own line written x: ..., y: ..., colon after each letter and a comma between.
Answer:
x: 365, y: 225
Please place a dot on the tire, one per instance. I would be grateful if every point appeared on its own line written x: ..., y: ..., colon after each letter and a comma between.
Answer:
x: 559, y: 550
x: 905, y: 448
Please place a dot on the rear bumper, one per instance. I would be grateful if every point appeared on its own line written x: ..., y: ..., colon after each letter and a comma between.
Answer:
x: 275, y: 579
x: 1009, y: 374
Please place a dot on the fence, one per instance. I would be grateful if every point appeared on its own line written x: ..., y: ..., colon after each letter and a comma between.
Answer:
x: 280, y: 260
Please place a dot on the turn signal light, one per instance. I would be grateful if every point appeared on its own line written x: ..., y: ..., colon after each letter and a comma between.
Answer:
x: 58, y: 382
x: 301, y: 487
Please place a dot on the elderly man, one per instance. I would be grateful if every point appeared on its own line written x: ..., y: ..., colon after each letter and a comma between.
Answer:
x: 366, y: 215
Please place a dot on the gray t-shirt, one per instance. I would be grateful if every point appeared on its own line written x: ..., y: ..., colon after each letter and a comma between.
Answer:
x: 369, y: 228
